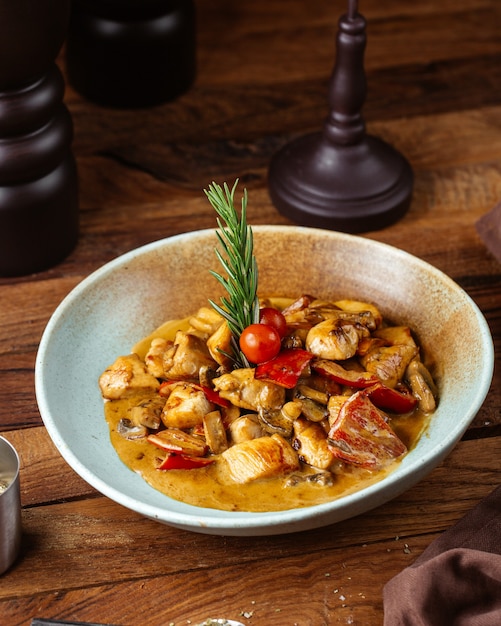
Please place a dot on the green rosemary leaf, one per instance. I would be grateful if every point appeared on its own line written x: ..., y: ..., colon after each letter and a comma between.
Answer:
x: 236, y: 256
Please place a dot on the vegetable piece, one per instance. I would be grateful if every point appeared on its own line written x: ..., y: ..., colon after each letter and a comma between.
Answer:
x: 176, y: 440
x: 361, y: 436
x: 129, y: 430
x: 346, y: 377
x: 383, y: 397
x: 274, y: 318
x: 148, y: 412
x: 422, y: 385
x: 260, y: 343
x: 215, y: 433
x: 213, y: 396
x: 183, y: 462
x: 286, y: 368
x: 241, y: 307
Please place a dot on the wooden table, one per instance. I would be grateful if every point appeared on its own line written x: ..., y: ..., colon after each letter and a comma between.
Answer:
x: 434, y: 79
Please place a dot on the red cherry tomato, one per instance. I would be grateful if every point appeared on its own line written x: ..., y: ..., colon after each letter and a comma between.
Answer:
x: 260, y: 342
x: 274, y: 318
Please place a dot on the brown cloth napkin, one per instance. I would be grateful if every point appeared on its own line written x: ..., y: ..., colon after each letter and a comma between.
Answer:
x: 457, y: 579
x: 489, y: 229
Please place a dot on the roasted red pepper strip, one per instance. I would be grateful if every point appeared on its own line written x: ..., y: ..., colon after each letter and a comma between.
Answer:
x: 285, y: 369
x: 390, y: 399
x: 181, y: 461
x: 350, y: 378
x: 213, y: 396
x: 210, y: 394
x: 361, y: 436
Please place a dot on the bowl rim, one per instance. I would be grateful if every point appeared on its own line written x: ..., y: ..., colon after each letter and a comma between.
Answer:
x: 216, y: 521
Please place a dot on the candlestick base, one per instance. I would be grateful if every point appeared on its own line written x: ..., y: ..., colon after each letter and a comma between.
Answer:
x: 350, y: 188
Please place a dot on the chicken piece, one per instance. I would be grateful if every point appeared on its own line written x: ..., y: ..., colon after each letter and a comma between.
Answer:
x: 310, y: 442
x: 185, y: 358
x: 389, y: 363
x: 335, y: 339
x: 148, y: 412
x: 128, y: 375
x: 185, y: 407
x: 243, y: 390
x: 265, y: 457
x: 246, y: 428
x: 219, y: 345
x: 334, y: 406
x: 396, y: 335
x: 154, y: 358
x: 206, y: 320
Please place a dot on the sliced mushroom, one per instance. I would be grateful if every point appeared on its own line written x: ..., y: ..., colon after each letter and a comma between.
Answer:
x: 148, y: 413
x: 324, y: 479
x: 276, y: 422
x: 306, y: 391
x: 215, y: 433
x: 128, y: 430
x: 422, y: 385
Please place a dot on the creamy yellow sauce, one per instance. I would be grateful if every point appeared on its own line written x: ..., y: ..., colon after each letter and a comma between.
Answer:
x: 210, y: 487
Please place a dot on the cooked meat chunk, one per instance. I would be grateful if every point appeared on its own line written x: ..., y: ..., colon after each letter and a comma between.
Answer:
x: 219, y: 344
x: 185, y: 407
x: 242, y: 389
x: 310, y: 442
x: 154, y: 358
x: 246, y: 428
x: 389, y: 363
x: 264, y: 457
x: 185, y: 358
x: 125, y: 377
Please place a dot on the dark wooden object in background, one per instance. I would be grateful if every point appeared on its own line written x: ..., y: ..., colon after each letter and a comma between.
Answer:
x: 342, y: 178
x: 38, y: 178
x: 434, y: 92
x: 131, y: 53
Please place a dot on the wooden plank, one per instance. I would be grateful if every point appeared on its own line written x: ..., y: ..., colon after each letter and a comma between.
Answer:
x: 117, y: 544
x: 344, y: 586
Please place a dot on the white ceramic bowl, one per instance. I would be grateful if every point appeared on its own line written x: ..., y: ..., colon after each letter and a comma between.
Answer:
x: 129, y: 297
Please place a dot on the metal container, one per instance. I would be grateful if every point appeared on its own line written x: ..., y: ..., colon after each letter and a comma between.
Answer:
x: 10, y: 505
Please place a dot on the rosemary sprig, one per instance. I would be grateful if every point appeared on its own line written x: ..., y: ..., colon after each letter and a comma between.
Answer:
x: 241, y: 306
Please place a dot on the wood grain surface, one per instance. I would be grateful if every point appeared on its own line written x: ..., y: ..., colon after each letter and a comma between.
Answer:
x: 434, y: 92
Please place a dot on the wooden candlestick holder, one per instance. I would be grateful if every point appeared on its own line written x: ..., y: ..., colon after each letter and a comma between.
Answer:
x: 342, y: 178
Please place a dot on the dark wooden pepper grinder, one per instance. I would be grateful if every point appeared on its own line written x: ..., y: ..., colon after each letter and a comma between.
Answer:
x: 131, y: 53
x: 38, y: 176
x: 342, y: 178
